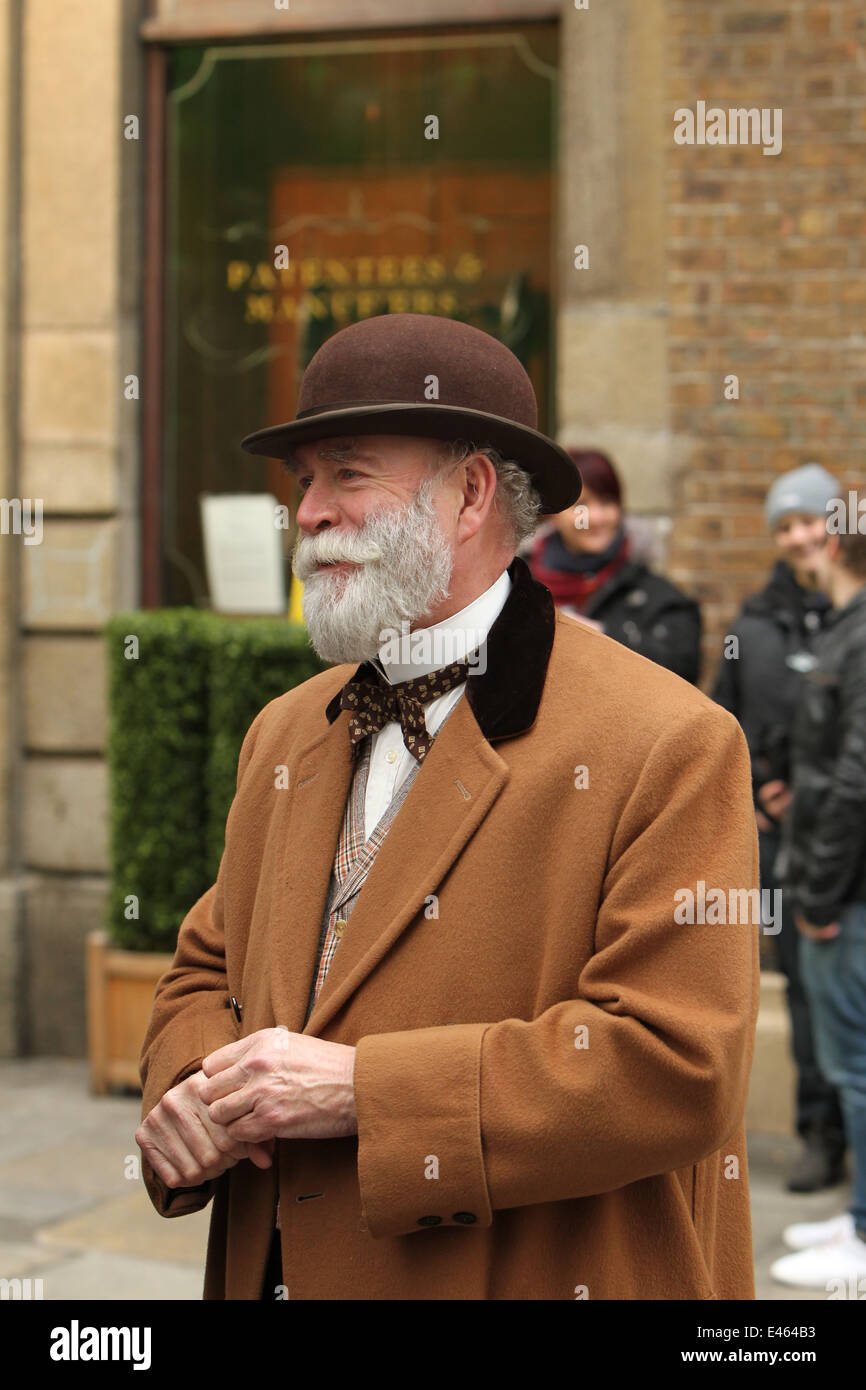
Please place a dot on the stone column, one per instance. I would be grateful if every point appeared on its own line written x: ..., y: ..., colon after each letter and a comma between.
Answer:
x: 77, y: 452
x: 612, y: 377
x: 11, y: 881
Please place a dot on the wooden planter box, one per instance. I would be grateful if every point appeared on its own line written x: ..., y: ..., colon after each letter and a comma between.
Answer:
x: 120, y: 990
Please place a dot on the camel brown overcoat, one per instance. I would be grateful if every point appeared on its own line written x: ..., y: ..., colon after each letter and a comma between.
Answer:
x: 551, y: 1069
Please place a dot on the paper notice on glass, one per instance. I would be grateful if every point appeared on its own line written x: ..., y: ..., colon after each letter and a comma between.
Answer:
x: 243, y: 553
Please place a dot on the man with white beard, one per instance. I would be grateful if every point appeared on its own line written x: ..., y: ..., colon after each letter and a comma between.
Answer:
x: 434, y: 1032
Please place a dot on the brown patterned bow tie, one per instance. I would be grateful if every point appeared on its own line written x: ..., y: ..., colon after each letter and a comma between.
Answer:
x: 373, y: 703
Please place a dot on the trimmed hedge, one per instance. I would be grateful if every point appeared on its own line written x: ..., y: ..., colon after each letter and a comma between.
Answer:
x: 252, y: 662
x: 178, y: 713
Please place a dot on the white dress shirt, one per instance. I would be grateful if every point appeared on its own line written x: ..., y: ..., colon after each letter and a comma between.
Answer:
x: 390, y: 759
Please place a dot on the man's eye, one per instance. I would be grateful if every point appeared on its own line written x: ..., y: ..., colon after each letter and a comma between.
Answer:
x: 303, y: 483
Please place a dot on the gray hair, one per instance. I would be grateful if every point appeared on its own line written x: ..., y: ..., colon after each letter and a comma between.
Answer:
x: 516, y: 500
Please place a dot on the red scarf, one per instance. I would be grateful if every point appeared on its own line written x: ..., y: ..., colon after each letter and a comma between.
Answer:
x: 574, y: 587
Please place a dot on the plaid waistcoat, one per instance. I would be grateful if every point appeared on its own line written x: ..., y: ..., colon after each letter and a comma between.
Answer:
x: 353, y: 860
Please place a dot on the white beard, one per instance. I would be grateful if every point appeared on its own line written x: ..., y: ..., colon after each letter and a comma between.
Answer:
x: 405, y: 565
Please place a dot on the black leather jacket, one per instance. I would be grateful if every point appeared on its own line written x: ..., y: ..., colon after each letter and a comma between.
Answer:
x: 644, y: 611
x: 777, y: 631
x: 823, y: 861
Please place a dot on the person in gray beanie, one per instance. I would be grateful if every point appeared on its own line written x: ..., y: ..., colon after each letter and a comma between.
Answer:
x: 759, y: 681
x: 803, y: 492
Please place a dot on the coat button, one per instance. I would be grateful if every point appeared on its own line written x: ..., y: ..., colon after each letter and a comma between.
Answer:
x: 466, y: 1218
x: 429, y: 1220
x: 236, y: 1009
x: 339, y: 927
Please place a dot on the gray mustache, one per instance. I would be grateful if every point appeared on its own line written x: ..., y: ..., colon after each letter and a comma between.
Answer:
x: 326, y: 551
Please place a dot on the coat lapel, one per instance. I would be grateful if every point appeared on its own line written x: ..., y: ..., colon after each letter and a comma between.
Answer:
x: 458, y: 783
x: 309, y: 839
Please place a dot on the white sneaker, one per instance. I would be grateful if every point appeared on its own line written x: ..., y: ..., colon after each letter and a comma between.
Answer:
x: 804, y: 1234
x: 820, y: 1266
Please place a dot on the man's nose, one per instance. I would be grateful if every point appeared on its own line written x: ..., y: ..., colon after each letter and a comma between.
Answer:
x: 318, y: 505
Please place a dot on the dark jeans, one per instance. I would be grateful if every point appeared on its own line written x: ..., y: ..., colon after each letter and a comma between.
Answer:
x: 835, y: 975
x: 817, y: 1100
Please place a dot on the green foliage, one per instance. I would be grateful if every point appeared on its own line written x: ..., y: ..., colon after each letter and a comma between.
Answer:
x: 252, y: 661
x: 178, y: 715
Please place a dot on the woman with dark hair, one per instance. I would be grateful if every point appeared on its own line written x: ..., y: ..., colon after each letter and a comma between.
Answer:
x: 593, y: 568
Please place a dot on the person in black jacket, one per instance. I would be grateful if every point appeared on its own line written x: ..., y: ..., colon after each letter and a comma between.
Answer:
x: 590, y: 564
x: 824, y: 867
x: 767, y: 653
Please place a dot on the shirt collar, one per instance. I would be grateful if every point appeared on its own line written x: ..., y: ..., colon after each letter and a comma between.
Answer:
x: 445, y: 642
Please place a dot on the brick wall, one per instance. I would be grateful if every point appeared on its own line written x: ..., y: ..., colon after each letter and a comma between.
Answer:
x: 766, y: 277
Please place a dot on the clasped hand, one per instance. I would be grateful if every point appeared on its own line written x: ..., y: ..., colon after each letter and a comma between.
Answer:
x: 272, y: 1085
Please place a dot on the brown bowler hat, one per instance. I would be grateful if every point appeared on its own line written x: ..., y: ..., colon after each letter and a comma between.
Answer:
x: 371, y: 378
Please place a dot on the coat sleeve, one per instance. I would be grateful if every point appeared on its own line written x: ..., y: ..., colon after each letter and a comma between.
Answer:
x: 191, y: 1016
x: 644, y: 1072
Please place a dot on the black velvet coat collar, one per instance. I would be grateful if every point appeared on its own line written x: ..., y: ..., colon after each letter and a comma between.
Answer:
x: 505, y: 699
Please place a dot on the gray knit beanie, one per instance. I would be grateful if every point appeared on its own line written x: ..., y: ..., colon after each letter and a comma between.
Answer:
x: 807, y: 489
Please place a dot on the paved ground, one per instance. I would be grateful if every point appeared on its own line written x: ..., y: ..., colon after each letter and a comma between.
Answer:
x: 71, y: 1215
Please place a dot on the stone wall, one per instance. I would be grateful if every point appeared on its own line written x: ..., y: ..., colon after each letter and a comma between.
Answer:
x: 766, y: 277
x: 613, y: 388
x: 12, y: 889
x: 74, y: 441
